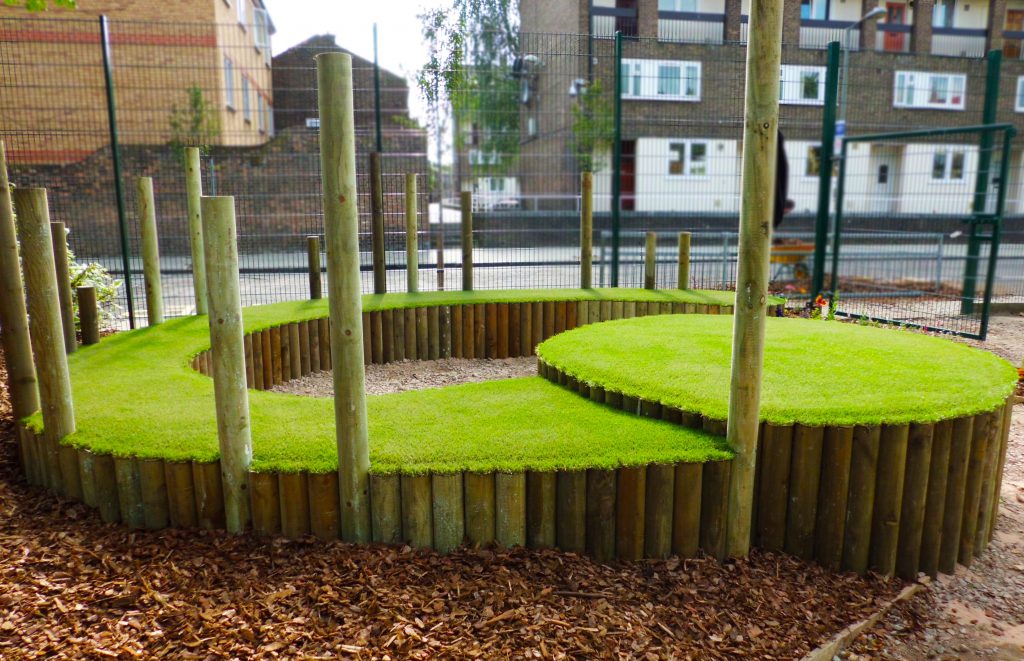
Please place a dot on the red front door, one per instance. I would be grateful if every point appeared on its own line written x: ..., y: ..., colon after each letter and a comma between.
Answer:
x: 895, y: 15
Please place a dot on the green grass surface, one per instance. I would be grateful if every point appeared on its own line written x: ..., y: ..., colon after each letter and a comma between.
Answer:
x: 135, y: 395
x: 815, y: 372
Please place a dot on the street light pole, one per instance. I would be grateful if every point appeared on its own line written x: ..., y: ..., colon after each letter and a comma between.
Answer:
x: 875, y: 13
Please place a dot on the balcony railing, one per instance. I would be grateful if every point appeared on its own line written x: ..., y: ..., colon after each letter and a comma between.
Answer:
x: 958, y: 42
x: 691, y: 27
x: 893, y: 38
x: 818, y: 34
x: 744, y: 28
x: 605, y: 21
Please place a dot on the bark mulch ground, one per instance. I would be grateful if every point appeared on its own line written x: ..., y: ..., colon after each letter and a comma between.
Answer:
x: 72, y: 586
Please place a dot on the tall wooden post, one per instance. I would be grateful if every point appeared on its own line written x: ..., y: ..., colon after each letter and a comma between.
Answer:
x: 466, y: 206
x: 341, y: 224
x: 313, y: 261
x: 21, y: 373
x: 651, y: 261
x: 150, y: 250
x: 586, y: 230
x: 194, y: 191
x: 88, y: 315
x: 234, y: 432
x: 683, y: 278
x: 761, y: 126
x: 59, y: 236
x: 412, y: 255
x: 380, y: 282
x: 46, y: 329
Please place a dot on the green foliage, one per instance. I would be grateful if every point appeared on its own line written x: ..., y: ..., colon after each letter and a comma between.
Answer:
x: 593, y: 126
x: 94, y: 274
x: 41, y: 5
x: 193, y: 125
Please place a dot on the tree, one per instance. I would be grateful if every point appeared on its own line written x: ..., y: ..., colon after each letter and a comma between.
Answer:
x: 41, y: 5
x: 194, y: 125
x: 593, y: 126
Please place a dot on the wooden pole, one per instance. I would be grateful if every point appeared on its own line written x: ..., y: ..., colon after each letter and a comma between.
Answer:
x: 650, y: 261
x: 412, y: 255
x: 46, y: 330
x: 764, y: 51
x: 683, y: 277
x: 226, y: 337
x: 380, y: 283
x: 194, y: 191
x: 59, y: 236
x: 313, y: 260
x: 466, y: 205
x: 586, y: 230
x: 150, y: 250
x: 14, y: 333
x: 88, y: 315
x: 341, y: 222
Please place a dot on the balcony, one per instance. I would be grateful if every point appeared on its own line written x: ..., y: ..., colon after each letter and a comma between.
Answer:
x: 606, y: 21
x: 691, y: 27
x: 893, y: 38
x: 958, y: 42
x: 818, y: 33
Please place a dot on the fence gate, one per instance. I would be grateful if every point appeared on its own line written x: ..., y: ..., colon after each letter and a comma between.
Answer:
x: 918, y: 216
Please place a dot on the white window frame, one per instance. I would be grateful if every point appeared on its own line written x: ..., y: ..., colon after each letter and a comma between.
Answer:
x: 687, y: 155
x: 246, y: 101
x: 791, y: 85
x: 947, y: 172
x: 641, y: 79
x: 243, y: 15
x: 913, y: 89
x: 677, y: 5
x: 229, y: 83
x: 260, y: 118
x: 1018, y: 101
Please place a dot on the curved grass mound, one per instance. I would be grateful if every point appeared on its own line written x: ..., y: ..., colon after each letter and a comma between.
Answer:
x: 136, y: 395
x: 816, y: 373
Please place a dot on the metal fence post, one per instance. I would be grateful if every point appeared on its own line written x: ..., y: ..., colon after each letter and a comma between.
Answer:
x: 997, y: 228
x: 988, y: 116
x: 828, y: 136
x: 122, y: 221
x: 617, y: 160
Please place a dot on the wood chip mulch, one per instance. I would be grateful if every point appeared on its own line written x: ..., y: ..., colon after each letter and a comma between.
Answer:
x: 74, y: 587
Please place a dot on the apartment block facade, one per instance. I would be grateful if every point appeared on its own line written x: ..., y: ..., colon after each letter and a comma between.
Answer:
x: 682, y: 71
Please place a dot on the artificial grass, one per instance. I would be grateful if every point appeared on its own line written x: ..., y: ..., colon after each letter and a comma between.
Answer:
x: 816, y: 373
x: 135, y: 395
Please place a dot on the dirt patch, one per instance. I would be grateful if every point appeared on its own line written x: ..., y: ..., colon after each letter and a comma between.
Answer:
x: 417, y: 375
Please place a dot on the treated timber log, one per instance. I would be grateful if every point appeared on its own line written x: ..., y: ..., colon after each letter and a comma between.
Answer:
x: 70, y: 479
x: 510, y: 509
x: 468, y: 334
x: 515, y: 337
x: 449, y: 511
x: 479, y: 508
x: 422, y: 334
x: 376, y: 338
x: 276, y: 357
x: 417, y: 511
x: 458, y: 328
x: 571, y: 511
x: 295, y: 350
x: 313, y: 264
x: 194, y: 193
x: 683, y: 262
x: 129, y: 491
x: 412, y: 255
x: 181, y: 497
x: 773, y: 497
x: 491, y: 331
x: 433, y: 333
x: 466, y: 231
x: 503, y: 328
x: 250, y: 362
x: 537, y: 325
x: 984, y: 433
x: 915, y: 499
x: 314, y: 346
x: 938, y: 472
x: 398, y: 337
x: 326, y: 356
x: 286, y: 352
x: 658, y: 501
x: 480, y: 330
x: 540, y: 509
x: 150, y: 250
x: 586, y: 229
x: 324, y: 515
x: 59, y: 237
x: 258, y: 367
x: 388, y: 330
x: 209, y: 489
x: 804, y: 483
x: 86, y: 471
x: 445, y: 330
x: 956, y: 480
x: 266, y: 503
x: 885, y: 526
x: 861, y: 498
x: 386, y: 510
x: 650, y: 260
x: 294, y: 493
x: 155, y: 505
x: 986, y: 507
x: 686, y: 509
x: 305, y: 359
x: 601, y: 499
x: 1004, y: 441
x: 376, y: 217
x: 412, y: 344
x: 107, y: 500
x: 266, y: 349
x: 714, y: 507
x: 830, y: 525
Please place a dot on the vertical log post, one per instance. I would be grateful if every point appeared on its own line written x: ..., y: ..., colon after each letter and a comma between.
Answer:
x: 466, y: 206
x: 150, y: 250
x: 764, y: 51
x: 683, y: 277
x: 313, y: 261
x: 380, y: 282
x: 14, y: 333
x: 341, y: 223
x: 194, y: 191
x: 88, y: 315
x: 46, y: 330
x: 651, y: 261
x: 59, y: 236
x: 586, y: 230
x: 412, y: 255
x: 228, y: 356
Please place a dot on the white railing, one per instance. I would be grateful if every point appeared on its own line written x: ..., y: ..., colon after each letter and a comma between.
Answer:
x: 691, y: 32
x: 820, y: 37
x: 958, y: 45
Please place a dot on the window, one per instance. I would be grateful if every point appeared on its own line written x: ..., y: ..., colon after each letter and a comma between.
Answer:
x: 241, y: 11
x: 916, y: 89
x: 815, y: 10
x: 270, y: 118
x: 497, y: 185
x: 942, y: 14
x: 661, y: 79
x: 229, y: 83
x: 259, y: 25
x: 948, y: 165
x: 688, y: 159
x: 800, y: 85
x: 677, y: 5
x: 260, y: 117
x: 478, y: 157
x: 246, y: 108
x: 1019, y: 104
